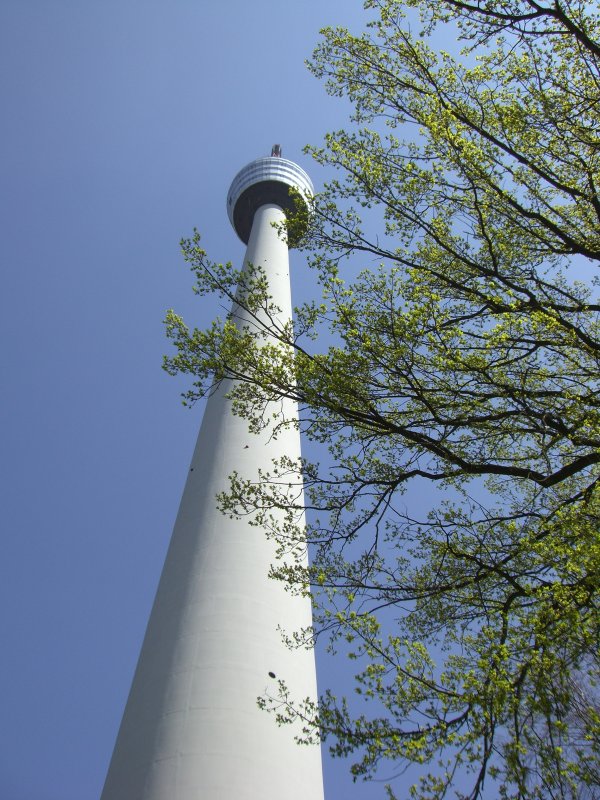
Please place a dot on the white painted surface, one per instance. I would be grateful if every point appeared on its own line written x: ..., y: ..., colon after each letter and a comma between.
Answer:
x: 191, y: 728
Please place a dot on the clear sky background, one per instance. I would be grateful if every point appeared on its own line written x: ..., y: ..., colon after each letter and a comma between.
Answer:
x: 123, y: 123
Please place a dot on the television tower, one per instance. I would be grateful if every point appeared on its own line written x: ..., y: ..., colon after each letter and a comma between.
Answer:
x: 192, y: 729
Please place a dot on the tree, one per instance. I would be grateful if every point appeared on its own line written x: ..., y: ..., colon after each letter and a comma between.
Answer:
x: 463, y: 360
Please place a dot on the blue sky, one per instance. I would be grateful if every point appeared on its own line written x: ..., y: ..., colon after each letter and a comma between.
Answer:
x: 123, y: 123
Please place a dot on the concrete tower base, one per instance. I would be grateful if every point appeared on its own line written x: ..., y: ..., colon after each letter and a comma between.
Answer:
x: 191, y: 728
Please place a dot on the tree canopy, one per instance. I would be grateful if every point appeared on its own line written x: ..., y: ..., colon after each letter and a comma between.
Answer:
x: 458, y: 365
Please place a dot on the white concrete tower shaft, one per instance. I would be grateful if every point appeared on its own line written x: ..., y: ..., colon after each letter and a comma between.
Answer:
x: 192, y: 729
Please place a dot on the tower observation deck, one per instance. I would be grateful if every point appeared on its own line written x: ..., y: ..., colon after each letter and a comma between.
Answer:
x: 265, y: 180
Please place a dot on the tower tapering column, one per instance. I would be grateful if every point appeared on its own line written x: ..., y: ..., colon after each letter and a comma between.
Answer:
x: 192, y: 729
